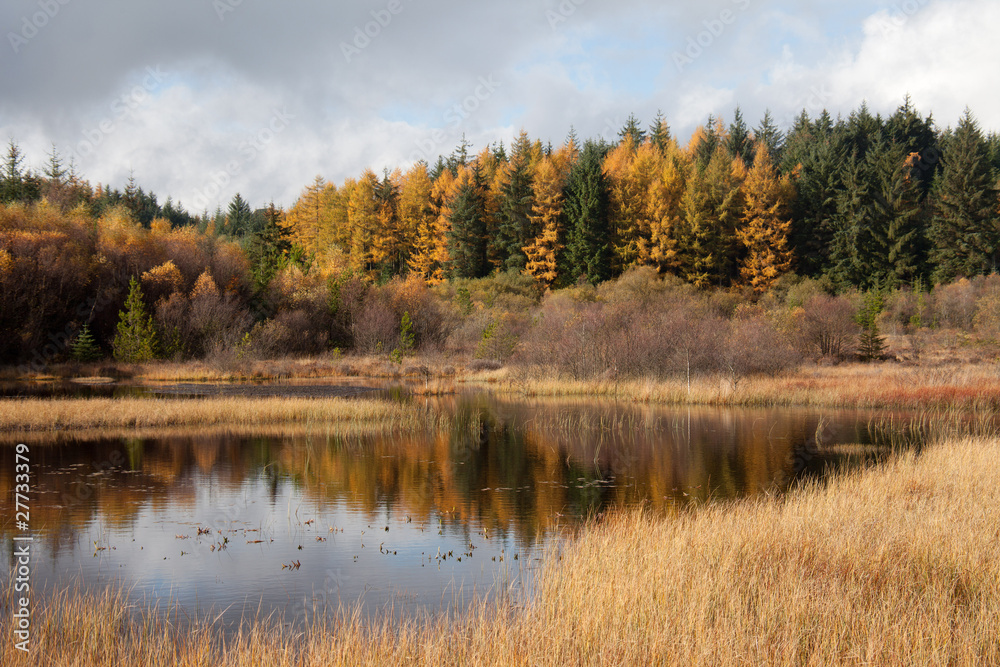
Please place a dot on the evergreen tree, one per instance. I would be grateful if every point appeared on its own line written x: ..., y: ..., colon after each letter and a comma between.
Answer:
x: 238, y: 218
x: 588, y: 236
x: 633, y: 131
x: 12, y: 177
x: 878, y: 226
x: 659, y: 133
x: 515, y: 229
x: 819, y: 181
x: 268, y: 249
x: 467, y: 243
x: 919, y: 141
x: 871, y: 343
x: 84, y: 347
x: 135, y: 340
x: 964, y: 223
x: 739, y: 143
x: 771, y: 136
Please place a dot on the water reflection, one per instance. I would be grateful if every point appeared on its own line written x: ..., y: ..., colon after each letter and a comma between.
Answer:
x: 240, y: 524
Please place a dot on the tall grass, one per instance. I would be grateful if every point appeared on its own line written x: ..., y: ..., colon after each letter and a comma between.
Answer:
x: 849, y: 386
x: 360, y: 415
x: 897, y: 565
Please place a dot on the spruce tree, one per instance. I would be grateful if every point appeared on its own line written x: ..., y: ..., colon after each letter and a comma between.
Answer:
x: 739, y: 143
x: 587, y: 253
x: 771, y: 136
x: 268, y: 249
x: 964, y: 223
x: 515, y: 229
x: 238, y: 217
x: 633, y: 131
x: 84, y: 348
x: 135, y: 340
x: 659, y: 133
x: 467, y: 242
x: 871, y: 343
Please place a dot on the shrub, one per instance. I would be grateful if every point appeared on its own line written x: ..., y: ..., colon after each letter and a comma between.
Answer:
x: 827, y: 326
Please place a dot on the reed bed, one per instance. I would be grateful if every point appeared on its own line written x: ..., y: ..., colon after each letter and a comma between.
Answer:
x: 56, y: 415
x: 895, y: 565
x: 860, y: 386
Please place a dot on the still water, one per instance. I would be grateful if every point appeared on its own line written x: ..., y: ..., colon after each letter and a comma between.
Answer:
x: 231, y: 527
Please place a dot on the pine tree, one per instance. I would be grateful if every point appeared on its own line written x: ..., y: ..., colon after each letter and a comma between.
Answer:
x: 588, y: 237
x: 964, y: 224
x: 764, y: 227
x: 84, y: 347
x: 467, y: 243
x: 547, y: 216
x: 135, y: 340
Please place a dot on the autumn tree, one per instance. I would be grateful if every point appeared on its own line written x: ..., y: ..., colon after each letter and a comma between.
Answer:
x: 764, y: 225
x: 546, y: 215
x: 363, y: 220
x: 711, y: 206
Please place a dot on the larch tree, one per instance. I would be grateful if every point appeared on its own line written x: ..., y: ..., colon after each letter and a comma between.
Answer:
x: 665, y: 196
x: 416, y: 215
x: 764, y: 225
x: 546, y: 215
x: 363, y: 219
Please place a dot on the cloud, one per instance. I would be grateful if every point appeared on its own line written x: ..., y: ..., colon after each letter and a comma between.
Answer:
x: 383, y: 82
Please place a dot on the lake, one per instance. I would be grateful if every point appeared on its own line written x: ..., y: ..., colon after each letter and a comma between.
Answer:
x: 231, y: 527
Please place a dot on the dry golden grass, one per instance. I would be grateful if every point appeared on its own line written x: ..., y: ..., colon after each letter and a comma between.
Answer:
x: 973, y: 386
x: 898, y: 565
x: 232, y: 413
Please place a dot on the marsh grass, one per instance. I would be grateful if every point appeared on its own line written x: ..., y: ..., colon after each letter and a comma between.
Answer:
x: 864, y: 386
x: 894, y: 565
x: 234, y: 414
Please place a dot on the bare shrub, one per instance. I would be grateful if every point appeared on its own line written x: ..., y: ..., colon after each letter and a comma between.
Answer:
x: 955, y: 305
x: 827, y: 326
x: 754, y: 346
x: 477, y: 365
x: 376, y: 329
x: 986, y: 321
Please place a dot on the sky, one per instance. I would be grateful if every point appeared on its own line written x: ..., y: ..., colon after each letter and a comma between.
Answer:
x: 201, y: 99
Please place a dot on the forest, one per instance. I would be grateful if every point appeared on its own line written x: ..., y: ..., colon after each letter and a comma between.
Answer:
x: 746, y: 248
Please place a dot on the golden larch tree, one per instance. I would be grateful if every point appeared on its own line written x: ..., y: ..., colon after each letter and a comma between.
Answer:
x: 764, y: 225
x: 546, y: 214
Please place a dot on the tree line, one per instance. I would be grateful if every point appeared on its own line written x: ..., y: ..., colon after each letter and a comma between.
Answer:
x: 860, y: 201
